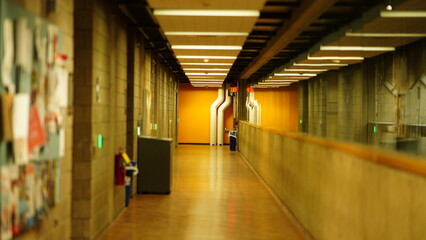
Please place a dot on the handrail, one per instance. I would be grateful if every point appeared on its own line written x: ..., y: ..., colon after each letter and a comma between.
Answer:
x: 394, y: 160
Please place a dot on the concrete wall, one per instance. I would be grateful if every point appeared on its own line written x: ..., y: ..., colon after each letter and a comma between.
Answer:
x: 194, y: 116
x: 118, y: 86
x: 335, y: 194
x: 58, y: 224
x: 100, y: 86
x: 385, y: 91
x: 279, y: 107
x: 151, y: 82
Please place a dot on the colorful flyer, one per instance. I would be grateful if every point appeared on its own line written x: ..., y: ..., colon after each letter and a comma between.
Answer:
x: 36, y: 136
x: 6, y: 207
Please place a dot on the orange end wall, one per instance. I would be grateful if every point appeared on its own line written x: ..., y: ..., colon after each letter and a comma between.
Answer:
x: 194, y: 114
x: 279, y: 107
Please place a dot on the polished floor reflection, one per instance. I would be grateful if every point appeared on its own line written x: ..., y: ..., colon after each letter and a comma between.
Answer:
x: 215, y: 195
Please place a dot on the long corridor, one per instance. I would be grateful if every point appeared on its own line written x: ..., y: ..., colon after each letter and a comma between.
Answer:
x: 215, y: 195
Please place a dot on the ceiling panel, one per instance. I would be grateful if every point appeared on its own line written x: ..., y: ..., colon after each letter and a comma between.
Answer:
x: 374, y: 41
x: 207, y: 40
x: 330, y: 67
x: 206, y: 69
x: 395, y: 25
x: 206, y: 24
x: 210, y: 60
x: 417, y: 5
x: 207, y: 4
x: 306, y: 61
x: 364, y: 54
x: 206, y: 52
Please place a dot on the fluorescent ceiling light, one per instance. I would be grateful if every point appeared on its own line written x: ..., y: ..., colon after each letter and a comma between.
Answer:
x: 296, y: 74
x: 277, y: 84
x: 206, y: 79
x: 206, y: 33
x: 257, y: 86
x: 305, y: 70
x: 391, y: 35
x: 207, y: 47
x: 206, y: 85
x: 207, y: 74
x: 199, y: 82
x: 336, y: 58
x: 209, y: 84
x: 320, y: 64
x: 208, y: 64
x: 209, y: 13
x: 403, y: 14
x: 355, y: 48
x: 274, y: 84
x: 278, y: 81
x: 206, y: 69
x: 290, y: 77
x: 203, y: 76
x: 206, y: 57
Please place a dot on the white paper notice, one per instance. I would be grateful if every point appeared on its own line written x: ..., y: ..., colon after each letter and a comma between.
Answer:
x: 61, y: 142
x: 24, y: 45
x: 20, y: 119
x: 6, y: 67
x: 62, y: 87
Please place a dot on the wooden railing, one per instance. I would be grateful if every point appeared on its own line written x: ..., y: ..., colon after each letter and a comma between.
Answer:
x: 340, y: 190
x: 397, y: 160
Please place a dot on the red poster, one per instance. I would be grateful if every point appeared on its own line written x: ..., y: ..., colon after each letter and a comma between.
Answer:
x: 36, y: 135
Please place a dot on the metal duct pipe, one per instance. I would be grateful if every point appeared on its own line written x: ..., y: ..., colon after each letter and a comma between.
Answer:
x: 259, y: 114
x: 252, y: 117
x: 248, y: 107
x: 221, y: 118
x: 256, y: 112
x: 213, y: 119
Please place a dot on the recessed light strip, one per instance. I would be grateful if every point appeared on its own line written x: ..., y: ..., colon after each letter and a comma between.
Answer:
x: 290, y: 77
x: 207, y: 64
x: 337, y: 58
x: 403, y: 14
x: 296, y: 74
x: 206, y: 81
x: 205, y: 57
x: 207, y: 47
x: 320, y: 64
x: 356, y: 48
x: 305, y: 70
x: 206, y: 74
x: 390, y: 35
x: 279, y: 81
x: 206, y: 33
x: 206, y: 69
x: 208, y: 13
x: 272, y: 84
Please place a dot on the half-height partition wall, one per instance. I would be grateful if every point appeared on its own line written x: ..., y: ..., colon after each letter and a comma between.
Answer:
x: 338, y: 190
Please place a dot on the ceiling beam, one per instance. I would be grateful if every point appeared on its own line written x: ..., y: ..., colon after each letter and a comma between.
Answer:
x: 302, y: 16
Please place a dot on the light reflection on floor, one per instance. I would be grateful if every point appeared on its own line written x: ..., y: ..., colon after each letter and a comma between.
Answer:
x: 214, y: 196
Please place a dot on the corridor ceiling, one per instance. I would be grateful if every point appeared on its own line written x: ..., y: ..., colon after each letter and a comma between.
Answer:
x: 273, y: 42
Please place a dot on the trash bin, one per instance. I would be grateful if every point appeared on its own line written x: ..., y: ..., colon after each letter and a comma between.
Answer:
x: 131, y: 170
x: 232, y: 140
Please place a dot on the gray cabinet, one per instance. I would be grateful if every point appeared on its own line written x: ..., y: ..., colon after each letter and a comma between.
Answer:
x: 154, y: 163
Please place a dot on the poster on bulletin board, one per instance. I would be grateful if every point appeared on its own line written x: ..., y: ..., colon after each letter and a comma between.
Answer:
x: 33, y: 101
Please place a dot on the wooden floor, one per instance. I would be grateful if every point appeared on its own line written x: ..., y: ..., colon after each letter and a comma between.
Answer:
x: 215, y: 196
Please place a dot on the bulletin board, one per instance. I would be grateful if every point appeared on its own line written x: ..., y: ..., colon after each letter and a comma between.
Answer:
x: 33, y: 100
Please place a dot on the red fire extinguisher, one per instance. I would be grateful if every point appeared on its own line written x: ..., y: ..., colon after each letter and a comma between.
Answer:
x: 120, y: 170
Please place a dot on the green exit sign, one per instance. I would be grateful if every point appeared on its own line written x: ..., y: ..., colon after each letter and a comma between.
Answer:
x: 100, y: 141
